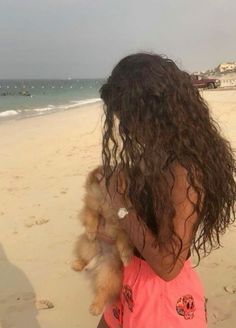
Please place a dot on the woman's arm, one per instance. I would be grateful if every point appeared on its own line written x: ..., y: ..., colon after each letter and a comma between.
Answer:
x: 161, y: 260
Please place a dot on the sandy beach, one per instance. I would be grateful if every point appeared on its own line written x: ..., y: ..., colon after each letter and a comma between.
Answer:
x: 43, y: 164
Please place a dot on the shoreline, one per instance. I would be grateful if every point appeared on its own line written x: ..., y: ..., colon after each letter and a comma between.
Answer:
x: 22, y: 114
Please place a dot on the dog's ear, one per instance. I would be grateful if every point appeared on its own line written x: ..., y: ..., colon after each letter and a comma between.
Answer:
x: 98, y: 174
x: 94, y: 176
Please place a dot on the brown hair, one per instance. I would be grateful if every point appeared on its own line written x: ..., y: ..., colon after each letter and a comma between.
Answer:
x: 163, y: 119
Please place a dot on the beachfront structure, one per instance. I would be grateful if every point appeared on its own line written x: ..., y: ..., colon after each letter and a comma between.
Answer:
x: 224, y: 67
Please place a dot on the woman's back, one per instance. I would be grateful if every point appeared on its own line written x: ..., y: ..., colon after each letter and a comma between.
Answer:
x: 179, y: 176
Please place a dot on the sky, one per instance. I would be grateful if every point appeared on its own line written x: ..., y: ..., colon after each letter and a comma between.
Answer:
x: 86, y: 39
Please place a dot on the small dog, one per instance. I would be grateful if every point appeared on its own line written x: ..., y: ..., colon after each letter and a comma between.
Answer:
x: 102, y: 257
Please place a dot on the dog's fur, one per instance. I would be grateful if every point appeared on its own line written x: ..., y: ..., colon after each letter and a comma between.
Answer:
x: 102, y: 259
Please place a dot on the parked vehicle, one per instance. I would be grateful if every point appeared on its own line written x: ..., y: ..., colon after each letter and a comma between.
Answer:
x: 204, y: 82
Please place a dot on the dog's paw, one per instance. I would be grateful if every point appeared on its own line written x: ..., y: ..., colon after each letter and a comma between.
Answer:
x: 78, y: 265
x: 96, y: 308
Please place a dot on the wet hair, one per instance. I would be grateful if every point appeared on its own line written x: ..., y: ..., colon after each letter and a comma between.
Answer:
x: 162, y: 120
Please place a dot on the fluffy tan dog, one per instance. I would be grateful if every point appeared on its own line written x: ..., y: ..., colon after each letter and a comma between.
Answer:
x: 103, y: 257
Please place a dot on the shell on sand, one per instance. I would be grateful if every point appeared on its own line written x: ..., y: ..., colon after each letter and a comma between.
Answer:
x: 44, y: 304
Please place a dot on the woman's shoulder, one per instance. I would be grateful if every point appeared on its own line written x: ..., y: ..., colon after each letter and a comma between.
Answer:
x: 181, y: 184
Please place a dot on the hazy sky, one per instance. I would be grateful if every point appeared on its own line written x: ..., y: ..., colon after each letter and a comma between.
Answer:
x: 85, y: 38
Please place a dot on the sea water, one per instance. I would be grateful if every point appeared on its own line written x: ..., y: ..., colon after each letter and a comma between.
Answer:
x: 23, y: 98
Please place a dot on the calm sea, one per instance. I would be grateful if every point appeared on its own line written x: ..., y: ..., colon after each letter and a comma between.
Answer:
x: 22, y: 98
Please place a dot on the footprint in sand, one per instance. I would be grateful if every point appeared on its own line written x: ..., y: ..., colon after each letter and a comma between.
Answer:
x: 230, y: 289
x: 231, y: 267
x: 18, y: 176
x: 44, y: 304
x: 74, y: 174
x: 33, y: 221
x: 72, y: 151
x: 211, y: 265
x: 219, y: 309
x: 219, y: 315
x: 41, y: 221
x: 64, y: 191
x: 36, y: 205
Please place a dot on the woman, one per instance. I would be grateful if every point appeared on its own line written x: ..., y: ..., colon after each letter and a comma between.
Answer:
x: 170, y: 175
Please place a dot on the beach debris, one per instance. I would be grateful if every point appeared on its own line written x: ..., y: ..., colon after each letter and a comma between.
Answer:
x: 230, y: 289
x: 44, y: 304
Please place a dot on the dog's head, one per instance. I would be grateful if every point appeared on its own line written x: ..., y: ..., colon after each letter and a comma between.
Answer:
x: 94, y: 196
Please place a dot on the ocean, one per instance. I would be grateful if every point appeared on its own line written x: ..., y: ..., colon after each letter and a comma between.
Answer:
x: 24, y: 98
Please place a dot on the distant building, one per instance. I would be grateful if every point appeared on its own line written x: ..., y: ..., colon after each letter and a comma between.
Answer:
x: 224, y: 67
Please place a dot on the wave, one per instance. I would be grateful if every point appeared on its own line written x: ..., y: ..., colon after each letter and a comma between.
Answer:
x: 85, y: 102
x: 40, y: 111
x: 9, y: 113
x: 43, y: 109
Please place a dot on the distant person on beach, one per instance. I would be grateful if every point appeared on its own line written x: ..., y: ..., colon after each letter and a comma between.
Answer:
x: 177, y: 193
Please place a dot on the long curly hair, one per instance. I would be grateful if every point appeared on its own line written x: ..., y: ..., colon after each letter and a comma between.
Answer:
x: 155, y: 117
